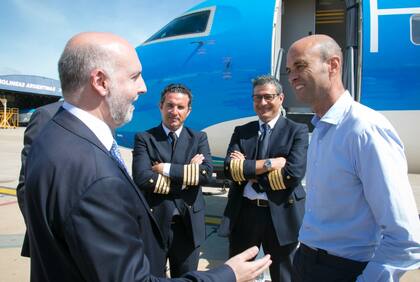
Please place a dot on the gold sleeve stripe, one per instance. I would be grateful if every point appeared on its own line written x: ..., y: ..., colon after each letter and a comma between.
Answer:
x: 234, y: 169
x: 277, y: 180
x: 157, y: 187
x: 194, y: 174
x: 232, y: 173
x: 167, y: 185
x: 237, y: 170
x: 184, y: 179
x: 241, y: 170
x: 271, y: 180
x: 281, y: 179
x: 197, y: 173
x: 191, y: 175
x: 163, y: 184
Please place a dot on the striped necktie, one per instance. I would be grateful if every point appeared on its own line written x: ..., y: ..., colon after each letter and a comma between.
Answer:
x: 263, y: 142
x: 262, y: 152
x: 174, y: 139
x: 115, y: 153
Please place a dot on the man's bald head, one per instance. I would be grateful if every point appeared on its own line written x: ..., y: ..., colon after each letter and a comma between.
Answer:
x: 314, y: 67
x: 85, y: 52
x: 319, y: 44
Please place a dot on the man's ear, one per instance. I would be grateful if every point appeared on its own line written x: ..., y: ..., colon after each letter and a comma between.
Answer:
x: 335, y: 64
x: 281, y: 97
x: 99, y: 81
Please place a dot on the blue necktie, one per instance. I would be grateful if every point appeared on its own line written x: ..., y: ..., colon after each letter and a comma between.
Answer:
x: 262, y: 152
x: 174, y: 139
x: 115, y: 153
x: 263, y: 142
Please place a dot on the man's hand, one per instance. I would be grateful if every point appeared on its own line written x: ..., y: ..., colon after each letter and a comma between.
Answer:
x: 278, y: 163
x: 197, y: 159
x: 246, y: 270
x: 236, y: 155
x: 158, y: 167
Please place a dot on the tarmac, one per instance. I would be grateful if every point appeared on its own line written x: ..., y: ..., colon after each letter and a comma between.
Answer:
x: 13, y: 267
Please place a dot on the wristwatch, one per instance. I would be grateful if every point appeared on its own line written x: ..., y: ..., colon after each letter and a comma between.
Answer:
x: 267, y: 164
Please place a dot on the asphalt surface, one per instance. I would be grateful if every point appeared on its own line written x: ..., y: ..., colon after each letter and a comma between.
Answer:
x: 14, y: 268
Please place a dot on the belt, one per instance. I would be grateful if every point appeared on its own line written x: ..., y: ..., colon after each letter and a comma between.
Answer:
x: 324, y: 257
x: 175, y: 219
x: 312, y: 251
x: 257, y: 202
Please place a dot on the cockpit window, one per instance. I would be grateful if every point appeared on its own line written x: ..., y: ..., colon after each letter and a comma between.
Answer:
x: 197, y: 23
x: 415, y: 29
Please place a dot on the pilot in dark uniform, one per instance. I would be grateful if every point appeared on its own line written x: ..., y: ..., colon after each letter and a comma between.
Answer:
x: 266, y: 160
x: 170, y: 164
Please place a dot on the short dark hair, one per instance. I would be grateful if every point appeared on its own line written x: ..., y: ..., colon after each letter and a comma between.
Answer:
x: 267, y: 79
x: 176, y: 88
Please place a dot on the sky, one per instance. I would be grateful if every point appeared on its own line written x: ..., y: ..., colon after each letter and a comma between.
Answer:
x: 33, y: 32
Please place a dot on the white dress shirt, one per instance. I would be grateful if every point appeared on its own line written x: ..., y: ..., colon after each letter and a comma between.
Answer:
x: 96, y: 125
x: 167, y: 166
x: 249, y: 192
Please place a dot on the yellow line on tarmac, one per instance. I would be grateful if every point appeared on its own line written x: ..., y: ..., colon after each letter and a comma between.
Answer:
x: 8, y: 191
x: 214, y: 220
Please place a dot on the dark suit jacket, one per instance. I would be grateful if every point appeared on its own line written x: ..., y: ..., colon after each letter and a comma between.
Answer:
x: 164, y: 193
x: 284, y: 190
x: 37, y: 122
x: 87, y: 219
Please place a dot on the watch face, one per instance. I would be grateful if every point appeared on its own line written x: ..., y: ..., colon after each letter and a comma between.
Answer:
x: 267, y: 164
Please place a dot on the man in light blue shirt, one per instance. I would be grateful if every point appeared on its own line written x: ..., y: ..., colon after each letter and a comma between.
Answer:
x: 360, y: 218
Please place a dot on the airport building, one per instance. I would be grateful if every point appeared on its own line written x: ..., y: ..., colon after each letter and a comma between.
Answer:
x: 20, y: 95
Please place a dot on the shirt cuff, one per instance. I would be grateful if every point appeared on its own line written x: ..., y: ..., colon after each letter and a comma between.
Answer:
x: 166, y: 169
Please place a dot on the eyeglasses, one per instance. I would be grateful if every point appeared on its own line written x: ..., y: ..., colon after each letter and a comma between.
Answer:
x: 266, y: 97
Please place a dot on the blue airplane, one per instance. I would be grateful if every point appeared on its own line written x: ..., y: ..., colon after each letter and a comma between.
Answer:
x: 217, y: 47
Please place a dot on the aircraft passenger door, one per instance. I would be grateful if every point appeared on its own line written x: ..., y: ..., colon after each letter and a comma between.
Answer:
x: 297, y: 18
x: 277, y: 53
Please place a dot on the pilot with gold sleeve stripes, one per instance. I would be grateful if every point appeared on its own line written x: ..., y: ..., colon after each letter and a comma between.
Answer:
x: 266, y: 160
x: 170, y: 164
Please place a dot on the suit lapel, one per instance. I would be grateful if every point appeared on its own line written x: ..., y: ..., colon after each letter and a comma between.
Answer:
x: 161, y: 144
x: 278, y: 130
x: 183, y: 148
x: 77, y: 127
x: 251, y: 141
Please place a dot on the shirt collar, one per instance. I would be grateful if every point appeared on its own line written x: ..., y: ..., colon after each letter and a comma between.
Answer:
x: 97, y: 126
x: 271, y: 123
x: 335, y: 114
x: 167, y: 130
